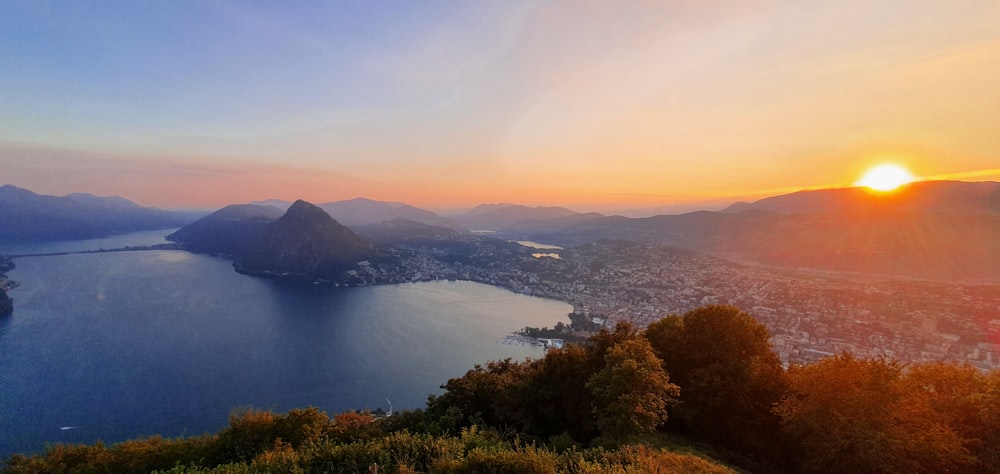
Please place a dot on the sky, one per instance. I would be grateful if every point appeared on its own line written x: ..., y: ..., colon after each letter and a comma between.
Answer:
x: 594, y: 105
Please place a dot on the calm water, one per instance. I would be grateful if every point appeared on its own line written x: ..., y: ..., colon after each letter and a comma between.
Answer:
x: 135, y: 239
x: 122, y: 345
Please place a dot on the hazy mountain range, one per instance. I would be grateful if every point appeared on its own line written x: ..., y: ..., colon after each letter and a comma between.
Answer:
x: 230, y: 231
x: 25, y: 215
x: 504, y: 217
x: 940, y: 230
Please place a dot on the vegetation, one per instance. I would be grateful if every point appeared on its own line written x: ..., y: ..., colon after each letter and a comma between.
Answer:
x: 6, y: 304
x: 308, y: 441
x: 577, y: 331
x: 623, y: 401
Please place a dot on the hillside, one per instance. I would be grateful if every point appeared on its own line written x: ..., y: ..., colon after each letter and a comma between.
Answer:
x: 951, y: 197
x: 405, y: 232
x: 307, y: 441
x: 304, y: 242
x: 934, y: 230
x: 228, y: 231
x: 361, y: 211
x: 30, y: 216
x: 518, y: 218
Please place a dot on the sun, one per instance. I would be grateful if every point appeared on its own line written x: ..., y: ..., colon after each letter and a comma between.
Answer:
x: 885, y: 178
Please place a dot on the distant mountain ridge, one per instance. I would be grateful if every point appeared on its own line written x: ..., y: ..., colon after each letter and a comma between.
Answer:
x: 29, y: 216
x: 405, y: 232
x: 941, y: 230
x: 363, y: 211
x: 517, y: 218
x: 925, y: 196
x: 229, y: 231
x: 303, y: 242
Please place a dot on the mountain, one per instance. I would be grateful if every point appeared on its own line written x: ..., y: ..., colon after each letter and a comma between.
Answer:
x: 517, y: 218
x: 228, y: 231
x: 362, y: 211
x: 30, y: 216
x: 276, y: 203
x: 946, y: 231
x: 304, y: 242
x: 485, y: 208
x: 405, y: 232
x: 952, y: 197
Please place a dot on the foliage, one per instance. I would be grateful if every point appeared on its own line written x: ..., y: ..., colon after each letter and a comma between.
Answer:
x: 854, y: 415
x: 472, y: 452
x: 576, y: 332
x: 561, y: 413
x: 729, y: 377
x: 632, y: 391
x: 482, y: 396
x: 126, y: 457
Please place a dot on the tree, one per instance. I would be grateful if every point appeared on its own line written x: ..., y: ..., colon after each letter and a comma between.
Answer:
x: 481, y: 395
x: 853, y: 415
x: 556, y: 398
x: 632, y: 391
x: 968, y: 402
x: 729, y: 376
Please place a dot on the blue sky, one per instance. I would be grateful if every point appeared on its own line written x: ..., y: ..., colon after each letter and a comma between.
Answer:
x: 589, y: 104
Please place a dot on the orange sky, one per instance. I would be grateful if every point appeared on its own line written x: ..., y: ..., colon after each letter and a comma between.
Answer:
x: 591, y: 105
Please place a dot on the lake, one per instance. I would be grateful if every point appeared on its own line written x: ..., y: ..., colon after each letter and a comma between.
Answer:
x: 116, y: 346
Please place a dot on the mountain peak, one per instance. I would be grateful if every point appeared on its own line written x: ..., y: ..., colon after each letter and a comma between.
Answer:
x: 301, y: 206
x: 305, y: 242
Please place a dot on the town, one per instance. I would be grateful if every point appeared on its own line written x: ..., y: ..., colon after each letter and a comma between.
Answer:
x: 810, y: 314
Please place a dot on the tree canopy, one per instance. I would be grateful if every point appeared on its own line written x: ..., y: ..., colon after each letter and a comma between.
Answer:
x: 729, y: 376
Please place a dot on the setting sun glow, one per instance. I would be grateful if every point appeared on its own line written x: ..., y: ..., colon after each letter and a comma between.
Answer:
x: 885, y: 178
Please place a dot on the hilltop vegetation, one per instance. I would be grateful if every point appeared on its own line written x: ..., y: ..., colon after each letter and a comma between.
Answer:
x: 623, y: 401
x: 308, y: 441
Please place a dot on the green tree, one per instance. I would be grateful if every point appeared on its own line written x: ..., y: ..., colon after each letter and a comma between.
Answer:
x: 632, y: 391
x: 556, y: 396
x: 728, y: 373
x: 481, y: 396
